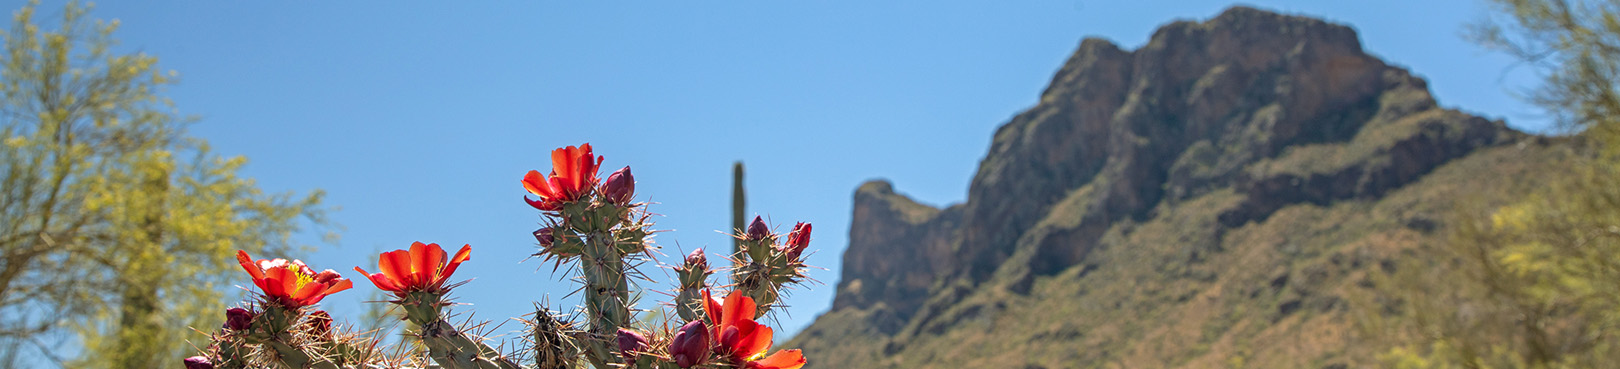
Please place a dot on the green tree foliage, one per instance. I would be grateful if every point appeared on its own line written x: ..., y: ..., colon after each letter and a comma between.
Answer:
x: 114, y: 226
x: 1535, y: 282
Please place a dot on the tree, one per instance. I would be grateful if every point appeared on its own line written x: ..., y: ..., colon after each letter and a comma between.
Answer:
x: 1535, y: 283
x: 1576, y: 46
x: 115, y: 226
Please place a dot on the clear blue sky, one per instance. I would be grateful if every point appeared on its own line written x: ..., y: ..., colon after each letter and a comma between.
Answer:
x: 420, y: 120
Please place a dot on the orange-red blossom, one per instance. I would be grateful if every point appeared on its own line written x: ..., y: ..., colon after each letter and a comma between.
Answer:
x: 422, y: 268
x: 742, y: 340
x: 573, y: 174
x: 291, y: 284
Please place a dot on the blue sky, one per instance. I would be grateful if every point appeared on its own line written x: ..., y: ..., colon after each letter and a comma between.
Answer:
x: 419, y: 119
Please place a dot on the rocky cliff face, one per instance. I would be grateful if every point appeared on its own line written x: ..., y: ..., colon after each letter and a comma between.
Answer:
x: 1213, y: 127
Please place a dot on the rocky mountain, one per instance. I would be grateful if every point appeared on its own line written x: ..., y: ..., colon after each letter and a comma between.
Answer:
x: 1216, y: 198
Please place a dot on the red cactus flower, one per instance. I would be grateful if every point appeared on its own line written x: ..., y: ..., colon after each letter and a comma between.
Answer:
x: 741, y: 339
x: 798, y: 240
x: 573, y: 174
x: 423, y: 268
x: 291, y: 284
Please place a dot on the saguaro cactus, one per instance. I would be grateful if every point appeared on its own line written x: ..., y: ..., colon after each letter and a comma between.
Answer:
x: 588, y: 221
x: 739, y: 204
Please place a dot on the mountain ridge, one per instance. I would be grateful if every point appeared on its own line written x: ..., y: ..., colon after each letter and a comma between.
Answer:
x: 1211, y: 129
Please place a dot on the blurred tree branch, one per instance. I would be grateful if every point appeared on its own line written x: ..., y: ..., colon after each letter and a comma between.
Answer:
x: 114, y: 226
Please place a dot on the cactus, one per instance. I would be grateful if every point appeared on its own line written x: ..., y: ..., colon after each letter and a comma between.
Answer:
x: 739, y: 202
x: 589, y: 224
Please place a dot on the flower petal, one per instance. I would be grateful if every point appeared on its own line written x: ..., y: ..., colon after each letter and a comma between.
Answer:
x: 397, y: 266
x: 450, y: 268
x: 542, y: 205
x: 342, y: 284
x: 738, y: 308
x: 252, y: 268
x: 755, y: 339
x: 562, y: 161
x: 785, y: 359
x: 537, y: 185
x: 277, y: 281
x: 307, y: 293
x: 380, y: 280
x: 425, y: 262
x: 713, y: 308
x: 563, y: 191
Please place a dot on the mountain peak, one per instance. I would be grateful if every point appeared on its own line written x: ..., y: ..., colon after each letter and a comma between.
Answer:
x: 1239, y: 116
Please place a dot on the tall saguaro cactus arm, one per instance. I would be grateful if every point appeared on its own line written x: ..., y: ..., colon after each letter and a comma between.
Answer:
x: 739, y: 204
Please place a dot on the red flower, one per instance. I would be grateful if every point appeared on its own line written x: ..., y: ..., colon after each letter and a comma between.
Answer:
x: 798, y: 240
x: 423, y: 268
x: 573, y: 174
x: 292, y: 284
x: 741, y: 339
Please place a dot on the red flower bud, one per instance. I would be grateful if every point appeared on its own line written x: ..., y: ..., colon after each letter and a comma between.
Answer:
x: 631, y: 343
x: 198, y: 362
x: 237, y: 319
x: 544, y: 236
x: 690, y: 347
x: 620, y: 187
x: 798, y: 240
x: 696, y: 261
x: 320, y: 323
x: 758, y: 230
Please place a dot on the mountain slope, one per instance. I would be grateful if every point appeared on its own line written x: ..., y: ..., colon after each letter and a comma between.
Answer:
x: 1212, y: 199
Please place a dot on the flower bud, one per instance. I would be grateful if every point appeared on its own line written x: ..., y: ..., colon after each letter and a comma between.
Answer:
x: 758, y: 230
x: 631, y: 343
x: 696, y: 261
x: 798, y: 240
x: 620, y: 187
x: 544, y: 236
x: 198, y: 362
x: 237, y: 319
x: 320, y: 323
x: 690, y: 346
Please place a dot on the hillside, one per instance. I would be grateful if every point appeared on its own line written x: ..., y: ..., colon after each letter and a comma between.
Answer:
x: 1215, y: 198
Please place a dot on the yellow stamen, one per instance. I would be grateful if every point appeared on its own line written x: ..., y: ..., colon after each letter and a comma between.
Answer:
x: 303, y: 278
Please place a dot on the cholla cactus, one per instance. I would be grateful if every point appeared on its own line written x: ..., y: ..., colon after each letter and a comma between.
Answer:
x: 592, y: 224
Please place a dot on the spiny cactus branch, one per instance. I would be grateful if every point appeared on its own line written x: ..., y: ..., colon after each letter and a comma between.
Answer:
x: 591, y: 222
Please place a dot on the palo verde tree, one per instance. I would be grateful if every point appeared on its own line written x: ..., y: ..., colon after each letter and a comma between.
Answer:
x: 1535, y: 283
x: 112, y: 221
